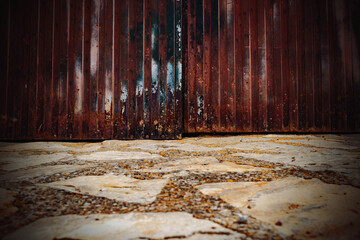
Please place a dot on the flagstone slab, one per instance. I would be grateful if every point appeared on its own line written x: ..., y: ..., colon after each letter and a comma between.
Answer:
x: 171, y: 225
x: 41, y: 171
x: 51, y: 147
x: 117, y: 156
x: 120, y: 188
x: 307, y: 158
x: 24, y: 161
x: 310, y: 158
x: 345, y: 142
x: 200, y: 164
x: 304, y: 208
x: 185, y: 145
x: 178, y: 146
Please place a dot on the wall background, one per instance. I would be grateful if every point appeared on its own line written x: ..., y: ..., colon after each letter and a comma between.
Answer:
x: 272, y: 65
x: 104, y: 69
x: 90, y: 69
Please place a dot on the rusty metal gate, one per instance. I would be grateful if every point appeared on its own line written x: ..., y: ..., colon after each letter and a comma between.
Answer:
x: 271, y: 65
x: 111, y: 69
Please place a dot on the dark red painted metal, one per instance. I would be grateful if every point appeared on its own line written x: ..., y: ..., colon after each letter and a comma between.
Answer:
x: 108, y: 69
x: 90, y: 69
x: 272, y: 66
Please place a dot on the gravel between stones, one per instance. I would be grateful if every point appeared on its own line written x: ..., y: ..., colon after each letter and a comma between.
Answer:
x: 178, y: 195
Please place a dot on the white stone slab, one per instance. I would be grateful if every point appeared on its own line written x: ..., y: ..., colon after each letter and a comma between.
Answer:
x: 52, y: 146
x: 180, y: 146
x: 41, y: 171
x: 117, y: 156
x: 123, y: 226
x: 23, y: 161
x: 119, y: 188
x: 306, y: 208
x: 310, y: 158
x: 187, y: 145
x: 200, y: 164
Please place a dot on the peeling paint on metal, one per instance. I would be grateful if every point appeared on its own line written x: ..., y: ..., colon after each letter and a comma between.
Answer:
x: 78, y: 84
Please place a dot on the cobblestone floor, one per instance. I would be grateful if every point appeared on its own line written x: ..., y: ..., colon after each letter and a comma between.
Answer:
x: 210, y: 187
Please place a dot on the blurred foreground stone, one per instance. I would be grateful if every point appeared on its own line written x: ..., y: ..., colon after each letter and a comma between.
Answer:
x: 220, y: 187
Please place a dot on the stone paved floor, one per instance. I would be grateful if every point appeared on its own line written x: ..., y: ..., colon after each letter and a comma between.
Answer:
x: 228, y: 187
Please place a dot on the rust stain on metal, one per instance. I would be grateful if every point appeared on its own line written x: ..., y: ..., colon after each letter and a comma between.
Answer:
x: 82, y: 69
x: 105, y: 69
x: 271, y: 66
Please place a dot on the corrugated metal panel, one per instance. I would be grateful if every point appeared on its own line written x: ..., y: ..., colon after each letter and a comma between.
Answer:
x: 90, y: 69
x: 272, y: 65
x: 102, y: 69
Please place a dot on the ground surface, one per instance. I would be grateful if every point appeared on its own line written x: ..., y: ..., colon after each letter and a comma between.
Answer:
x: 229, y: 187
